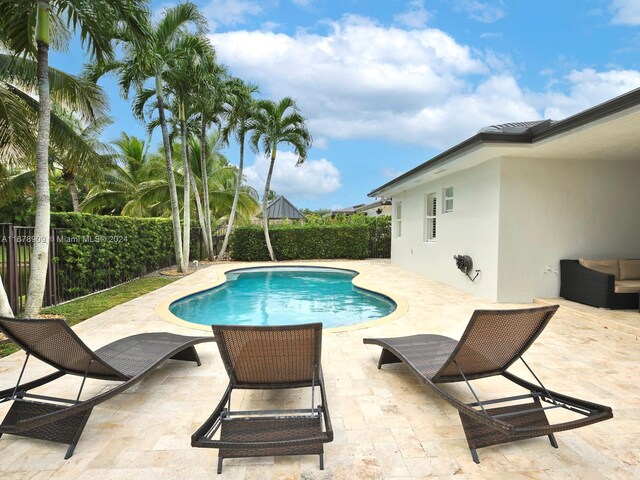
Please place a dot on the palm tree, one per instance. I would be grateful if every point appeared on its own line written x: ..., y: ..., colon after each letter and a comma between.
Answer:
x: 154, y: 193
x: 117, y: 192
x: 239, y: 114
x: 19, y: 109
x: 95, y: 20
x: 277, y: 123
x: 180, y: 78
x: 209, y: 98
x: 149, y: 56
x: 88, y: 162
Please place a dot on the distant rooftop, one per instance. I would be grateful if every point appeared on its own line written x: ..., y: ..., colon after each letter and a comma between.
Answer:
x: 282, y: 208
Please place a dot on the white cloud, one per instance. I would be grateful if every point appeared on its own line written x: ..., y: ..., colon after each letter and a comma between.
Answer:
x: 320, y: 142
x: 310, y: 180
x: 230, y: 12
x: 419, y: 86
x: 269, y: 26
x: 626, y: 12
x: 587, y: 88
x: 416, y: 15
x: 484, y: 12
x: 361, y: 79
x: 158, y: 12
x: 391, y: 172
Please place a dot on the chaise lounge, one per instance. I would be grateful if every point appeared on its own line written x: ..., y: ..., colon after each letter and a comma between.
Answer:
x: 278, y: 357
x: 491, y: 343
x: 62, y: 420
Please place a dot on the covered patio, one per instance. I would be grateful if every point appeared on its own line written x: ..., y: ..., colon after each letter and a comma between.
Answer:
x: 387, y: 425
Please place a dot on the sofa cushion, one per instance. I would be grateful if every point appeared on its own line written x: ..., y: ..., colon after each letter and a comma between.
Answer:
x: 629, y: 269
x: 602, y: 266
x: 627, y: 286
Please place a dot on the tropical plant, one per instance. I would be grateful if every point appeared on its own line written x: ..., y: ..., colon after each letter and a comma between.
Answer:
x: 276, y: 123
x: 221, y: 182
x: 88, y: 162
x: 239, y: 115
x: 150, y: 56
x: 209, y: 96
x: 118, y: 191
x: 180, y: 79
x: 26, y: 29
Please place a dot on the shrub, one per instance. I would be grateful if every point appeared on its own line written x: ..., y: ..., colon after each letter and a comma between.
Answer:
x: 320, y: 240
x: 94, y: 252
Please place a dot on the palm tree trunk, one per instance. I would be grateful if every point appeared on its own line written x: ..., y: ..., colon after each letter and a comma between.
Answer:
x: 186, y: 206
x: 173, y: 193
x: 40, y: 252
x: 265, y: 217
x: 205, y: 186
x: 199, y: 211
x: 232, y: 215
x: 5, y: 308
x: 73, y: 190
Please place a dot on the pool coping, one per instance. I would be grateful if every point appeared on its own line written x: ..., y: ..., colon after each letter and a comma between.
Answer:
x: 359, y: 281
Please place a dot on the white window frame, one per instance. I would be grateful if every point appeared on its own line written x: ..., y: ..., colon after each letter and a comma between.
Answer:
x: 398, y: 212
x: 446, y: 198
x: 430, y: 216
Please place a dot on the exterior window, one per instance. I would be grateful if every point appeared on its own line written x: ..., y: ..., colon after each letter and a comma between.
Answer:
x: 430, y: 217
x: 447, y: 200
x: 398, y: 219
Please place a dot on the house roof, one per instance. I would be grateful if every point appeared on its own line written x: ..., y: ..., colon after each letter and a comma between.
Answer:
x: 518, y: 133
x: 282, y: 208
x: 376, y: 204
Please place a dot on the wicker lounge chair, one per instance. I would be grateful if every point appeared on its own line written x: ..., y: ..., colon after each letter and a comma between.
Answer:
x: 268, y: 358
x: 491, y: 343
x: 62, y: 420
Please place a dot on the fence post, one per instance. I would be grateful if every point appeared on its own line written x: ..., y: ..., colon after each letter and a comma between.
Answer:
x: 13, y: 271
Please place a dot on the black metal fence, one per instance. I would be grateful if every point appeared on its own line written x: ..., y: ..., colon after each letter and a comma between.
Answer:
x: 63, y: 280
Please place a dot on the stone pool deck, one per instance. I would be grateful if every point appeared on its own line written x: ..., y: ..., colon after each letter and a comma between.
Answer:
x: 387, y: 425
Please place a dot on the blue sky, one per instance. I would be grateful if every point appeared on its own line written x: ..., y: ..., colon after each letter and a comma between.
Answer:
x: 388, y: 84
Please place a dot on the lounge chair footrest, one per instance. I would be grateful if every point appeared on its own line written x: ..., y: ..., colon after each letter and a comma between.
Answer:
x: 66, y: 430
x: 271, y: 429
x: 480, y: 435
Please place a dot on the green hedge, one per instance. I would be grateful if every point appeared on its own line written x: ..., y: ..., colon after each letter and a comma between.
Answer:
x: 301, y: 242
x: 94, y: 252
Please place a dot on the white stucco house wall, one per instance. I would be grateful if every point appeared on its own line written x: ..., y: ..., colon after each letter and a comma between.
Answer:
x: 518, y: 198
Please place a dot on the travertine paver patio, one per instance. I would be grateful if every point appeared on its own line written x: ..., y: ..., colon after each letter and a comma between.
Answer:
x: 386, y: 424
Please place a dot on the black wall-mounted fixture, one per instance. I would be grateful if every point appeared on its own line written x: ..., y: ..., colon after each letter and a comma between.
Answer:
x: 465, y: 265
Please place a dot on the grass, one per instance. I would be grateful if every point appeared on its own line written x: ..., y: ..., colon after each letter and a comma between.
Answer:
x: 78, y: 310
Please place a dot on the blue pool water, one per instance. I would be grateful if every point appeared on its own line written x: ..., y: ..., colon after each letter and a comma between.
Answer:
x: 284, y: 296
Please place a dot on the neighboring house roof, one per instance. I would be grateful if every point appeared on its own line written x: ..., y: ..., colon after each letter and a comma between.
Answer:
x: 369, y: 206
x: 282, y: 208
x: 343, y: 211
x: 519, y: 133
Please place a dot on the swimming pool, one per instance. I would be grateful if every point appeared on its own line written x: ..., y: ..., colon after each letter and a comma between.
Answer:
x: 284, y: 296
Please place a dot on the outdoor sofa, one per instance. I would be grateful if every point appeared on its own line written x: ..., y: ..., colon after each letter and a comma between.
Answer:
x: 52, y: 341
x: 613, y: 284
x: 491, y: 343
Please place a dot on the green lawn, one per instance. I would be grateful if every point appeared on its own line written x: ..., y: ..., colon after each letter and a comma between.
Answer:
x: 81, y: 309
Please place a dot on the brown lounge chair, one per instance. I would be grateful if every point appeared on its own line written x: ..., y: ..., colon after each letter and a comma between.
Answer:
x: 275, y: 357
x: 492, y: 342
x: 62, y: 420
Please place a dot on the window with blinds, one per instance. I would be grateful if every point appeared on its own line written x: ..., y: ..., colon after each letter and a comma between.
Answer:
x: 398, y: 219
x: 430, y: 205
x: 447, y: 200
